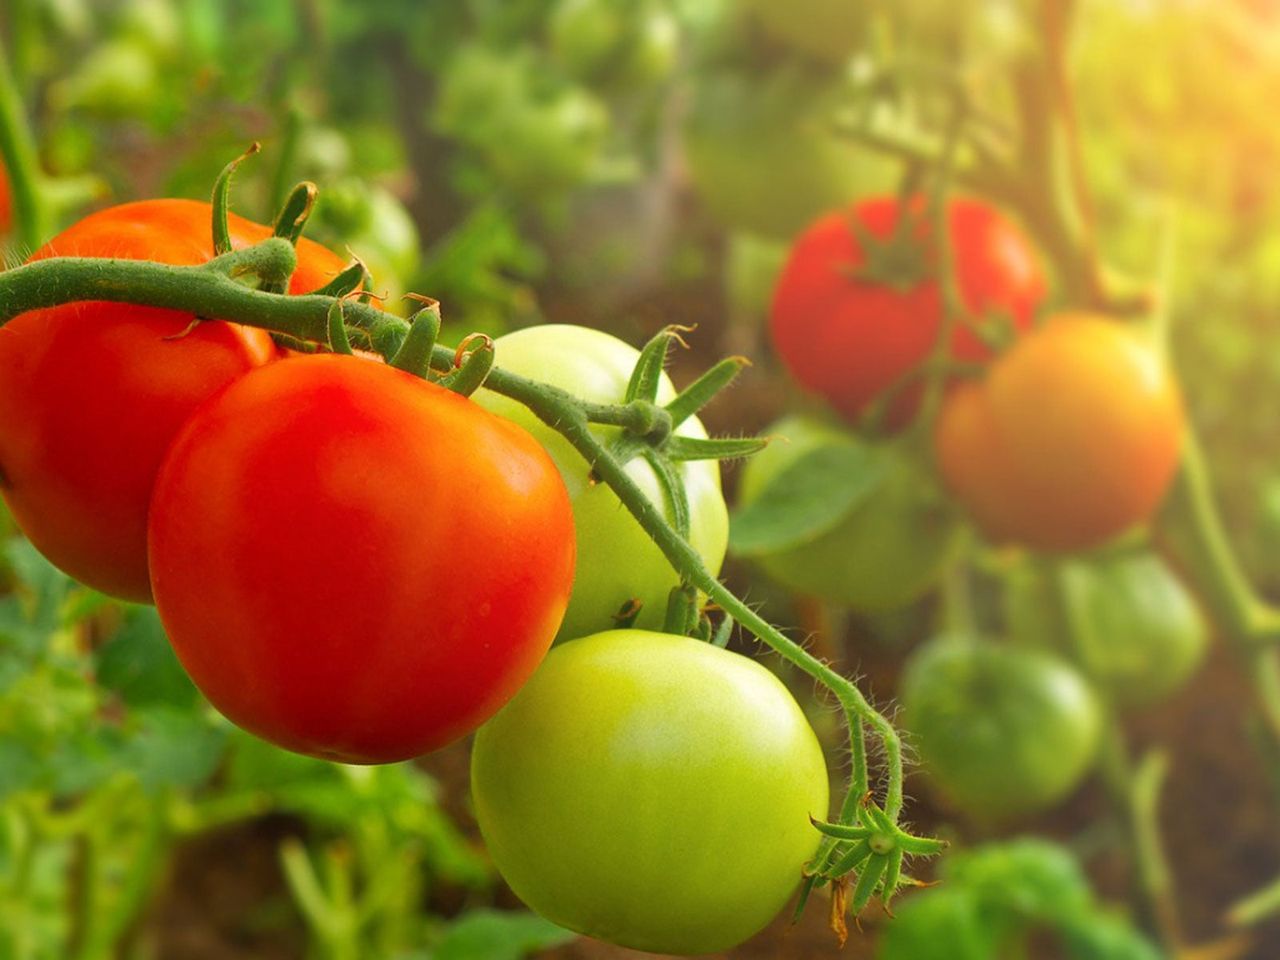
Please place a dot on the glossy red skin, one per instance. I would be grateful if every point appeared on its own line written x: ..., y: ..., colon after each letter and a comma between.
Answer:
x: 91, y: 394
x: 354, y: 563
x: 847, y: 339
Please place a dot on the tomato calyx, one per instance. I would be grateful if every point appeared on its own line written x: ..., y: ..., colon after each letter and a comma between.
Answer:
x: 871, y: 849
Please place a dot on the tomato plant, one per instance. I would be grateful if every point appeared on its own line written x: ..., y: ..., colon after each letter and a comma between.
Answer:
x: 1001, y: 730
x: 747, y: 136
x: 617, y: 561
x: 614, y: 790
x: 92, y: 393
x: 1135, y: 629
x: 848, y: 326
x: 355, y: 563
x: 1073, y: 438
x: 627, y: 45
x: 6, y: 204
x: 828, y: 30
x: 879, y: 552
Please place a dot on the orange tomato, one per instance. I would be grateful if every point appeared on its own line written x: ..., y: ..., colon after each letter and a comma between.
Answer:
x: 1073, y: 437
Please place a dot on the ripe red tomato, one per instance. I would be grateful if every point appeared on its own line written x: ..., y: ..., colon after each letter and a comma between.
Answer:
x: 1073, y: 438
x: 847, y: 339
x: 354, y: 563
x: 91, y: 394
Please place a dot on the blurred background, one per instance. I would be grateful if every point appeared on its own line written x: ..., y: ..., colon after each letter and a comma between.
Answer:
x: 627, y: 164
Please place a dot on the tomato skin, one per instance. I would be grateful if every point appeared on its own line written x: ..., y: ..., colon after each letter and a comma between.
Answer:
x: 1001, y: 730
x: 1139, y: 634
x: 847, y: 339
x: 92, y: 393
x: 617, y: 561
x: 354, y: 563
x: 1073, y: 438
x: 889, y: 550
x: 612, y: 792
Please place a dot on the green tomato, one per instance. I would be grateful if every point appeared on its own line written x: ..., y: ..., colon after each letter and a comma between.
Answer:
x: 375, y: 226
x: 828, y: 30
x: 764, y: 157
x: 617, y: 562
x: 891, y: 548
x: 1137, y: 633
x: 1001, y: 730
x: 651, y: 790
x: 615, y: 42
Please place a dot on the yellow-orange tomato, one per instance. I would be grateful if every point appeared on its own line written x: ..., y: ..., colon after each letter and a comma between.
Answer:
x: 1073, y: 437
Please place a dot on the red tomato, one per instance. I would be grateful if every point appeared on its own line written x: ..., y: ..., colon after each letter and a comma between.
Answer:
x: 354, y: 563
x: 847, y: 339
x: 91, y: 394
x: 1074, y: 436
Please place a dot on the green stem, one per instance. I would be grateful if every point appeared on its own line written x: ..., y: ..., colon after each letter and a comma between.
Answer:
x: 207, y: 293
x: 18, y: 151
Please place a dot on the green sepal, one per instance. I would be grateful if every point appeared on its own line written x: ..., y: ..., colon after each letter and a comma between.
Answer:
x: 806, y: 888
x: 892, y: 875
x: 868, y: 881
x: 879, y: 819
x: 807, y: 499
x: 841, y: 831
x: 724, y: 630
x: 647, y: 374
x: 717, y: 448
x: 344, y: 283
x: 295, y: 211
x: 472, y: 371
x: 673, y: 490
x: 699, y: 393
x: 414, y: 355
x: 338, y: 341
x: 682, y: 611
x: 222, y: 200
x: 848, y: 861
x: 921, y: 846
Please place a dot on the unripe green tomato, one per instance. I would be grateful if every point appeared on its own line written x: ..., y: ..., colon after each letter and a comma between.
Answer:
x: 1000, y: 730
x: 375, y: 226
x: 1137, y: 630
x: 765, y: 158
x: 614, y: 42
x: 651, y: 790
x: 891, y: 548
x: 617, y: 561
x: 118, y: 78
x: 828, y: 30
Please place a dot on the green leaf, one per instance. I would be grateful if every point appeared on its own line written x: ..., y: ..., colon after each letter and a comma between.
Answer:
x: 173, y: 748
x: 140, y: 666
x: 1105, y: 936
x: 807, y: 499
x: 499, y: 935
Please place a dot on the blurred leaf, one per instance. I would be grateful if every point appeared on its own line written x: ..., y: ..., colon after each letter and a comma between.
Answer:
x: 499, y: 935
x: 807, y: 499
x: 173, y: 748
x: 139, y: 664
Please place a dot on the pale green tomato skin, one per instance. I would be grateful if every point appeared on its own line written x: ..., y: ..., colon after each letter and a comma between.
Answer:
x: 651, y: 790
x: 891, y: 549
x: 1000, y: 730
x: 617, y: 561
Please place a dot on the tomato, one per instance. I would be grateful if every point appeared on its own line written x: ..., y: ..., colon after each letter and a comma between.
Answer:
x: 651, y: 790
x: 828, y: 30
x: 1000, y: 730
x: 847, y: 339
x: 354, y: 563
x: 621, y: 44
x: 375, y: 226
x: 91, y: 394
x: 1073, y: 438
x: 1138, y: 632
x: 890, y: 549
x: 764, y: 157
x: 617, y: 562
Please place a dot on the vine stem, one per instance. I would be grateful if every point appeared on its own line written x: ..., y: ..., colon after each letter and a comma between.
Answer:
x: 210, y: 291
x: 18, y: 150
